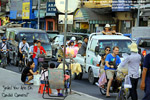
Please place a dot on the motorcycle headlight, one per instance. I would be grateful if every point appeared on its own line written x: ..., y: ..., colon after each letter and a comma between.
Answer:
x: 49, y: 52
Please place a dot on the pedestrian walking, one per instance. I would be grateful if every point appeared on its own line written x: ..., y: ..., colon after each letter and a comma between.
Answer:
x: 133, y: 62
x: 145, y: 83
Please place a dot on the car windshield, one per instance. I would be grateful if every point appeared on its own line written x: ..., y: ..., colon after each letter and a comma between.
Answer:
x: 122, y: 44
x: 144, y: 43
x: 38, y: 36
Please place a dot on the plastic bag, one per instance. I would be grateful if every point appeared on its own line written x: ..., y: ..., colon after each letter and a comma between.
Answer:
x: 127, y: 83
x: 102, y: 80
x: 36, y: 79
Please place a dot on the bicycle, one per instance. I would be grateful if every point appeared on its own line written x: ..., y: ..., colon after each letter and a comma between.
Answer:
x: 23, y: 63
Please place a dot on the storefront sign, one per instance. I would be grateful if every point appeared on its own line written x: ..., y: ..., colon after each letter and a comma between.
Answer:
x: 16, y: 9
x: 121, y: 5
x: 78, y: 15
x: 84, y: 25
x: 51, y: 9
x: 26, y: 9
x: 62, y: 19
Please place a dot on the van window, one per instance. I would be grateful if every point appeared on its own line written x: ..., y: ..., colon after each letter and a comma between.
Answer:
x: 93, y: 45
x: 12, y: 36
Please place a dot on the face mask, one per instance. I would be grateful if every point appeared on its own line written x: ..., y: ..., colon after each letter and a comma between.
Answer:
x: 4, y: 41
x: 35, y: 44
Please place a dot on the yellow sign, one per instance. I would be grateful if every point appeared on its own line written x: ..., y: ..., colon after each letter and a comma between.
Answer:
x: 84, y: 26
x: 78, y: 15
x: 26, y: 10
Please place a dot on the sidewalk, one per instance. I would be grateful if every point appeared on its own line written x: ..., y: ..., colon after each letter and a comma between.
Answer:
x: 11, y: 88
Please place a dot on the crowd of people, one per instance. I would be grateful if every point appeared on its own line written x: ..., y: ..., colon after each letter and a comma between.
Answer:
x: 108, y: 63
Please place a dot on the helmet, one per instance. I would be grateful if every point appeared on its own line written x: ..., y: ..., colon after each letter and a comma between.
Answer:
x: 4, y: 38
x: 73, y: 38
x: 24, y: 38
x: 71, y: 41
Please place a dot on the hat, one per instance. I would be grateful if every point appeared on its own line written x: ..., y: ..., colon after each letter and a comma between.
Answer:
x: 79, y: 41
x: 107, y: 25
x: 133, y: 47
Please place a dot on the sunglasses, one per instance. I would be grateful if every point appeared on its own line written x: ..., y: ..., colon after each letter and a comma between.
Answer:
x: 108, y: 50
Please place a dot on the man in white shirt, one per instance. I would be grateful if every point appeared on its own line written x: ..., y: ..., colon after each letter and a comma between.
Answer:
x: 23, y: 48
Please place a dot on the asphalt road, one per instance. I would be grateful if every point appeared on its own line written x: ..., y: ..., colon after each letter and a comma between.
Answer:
x: 85, y: 87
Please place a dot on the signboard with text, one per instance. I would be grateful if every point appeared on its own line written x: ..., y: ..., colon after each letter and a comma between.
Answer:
x: 51, y: 9
x: 26, y: 9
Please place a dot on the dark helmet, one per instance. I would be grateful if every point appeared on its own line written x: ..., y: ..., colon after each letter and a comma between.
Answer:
x: 24, y: 39
x: 4, y: 38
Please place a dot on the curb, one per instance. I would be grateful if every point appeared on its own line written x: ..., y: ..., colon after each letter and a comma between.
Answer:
x: 72, y: 90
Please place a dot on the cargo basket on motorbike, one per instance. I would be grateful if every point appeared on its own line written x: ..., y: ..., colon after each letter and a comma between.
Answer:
x: 41, y: 57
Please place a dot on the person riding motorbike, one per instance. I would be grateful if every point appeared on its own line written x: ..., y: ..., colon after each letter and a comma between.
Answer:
x: 23, y: 48
x: 36, y: 52
x: 4, y: 46
x: 111, y: 63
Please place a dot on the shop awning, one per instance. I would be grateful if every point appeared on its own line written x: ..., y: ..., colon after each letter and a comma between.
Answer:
x: 92, y: 17
x: 2, y: 14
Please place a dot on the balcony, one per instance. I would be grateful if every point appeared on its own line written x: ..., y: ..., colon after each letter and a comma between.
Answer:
x: 96, y: 3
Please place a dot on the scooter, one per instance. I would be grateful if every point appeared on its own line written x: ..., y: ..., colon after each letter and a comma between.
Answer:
x: 4, y: 58
x: 114, y: 87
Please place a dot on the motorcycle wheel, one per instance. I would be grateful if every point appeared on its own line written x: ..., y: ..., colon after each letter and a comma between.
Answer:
x: 103, y: 91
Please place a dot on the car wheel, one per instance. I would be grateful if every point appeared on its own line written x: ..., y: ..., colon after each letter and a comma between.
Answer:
x: 91, y: 78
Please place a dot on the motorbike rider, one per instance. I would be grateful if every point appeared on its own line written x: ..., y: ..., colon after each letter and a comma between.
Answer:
x: 4, y: 46
x: 23, y: 47
x: 111, y: 63
x: 31, y: 48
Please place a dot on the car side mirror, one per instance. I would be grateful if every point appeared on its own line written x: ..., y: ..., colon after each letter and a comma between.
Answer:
x: 97, y: 49
x: 50, y: 39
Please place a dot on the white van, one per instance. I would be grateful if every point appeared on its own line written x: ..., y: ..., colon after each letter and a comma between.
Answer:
x: 90, y: 63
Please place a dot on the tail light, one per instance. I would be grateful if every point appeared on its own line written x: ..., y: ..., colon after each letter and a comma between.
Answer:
x: 97, y: 65
x: 144, y: 53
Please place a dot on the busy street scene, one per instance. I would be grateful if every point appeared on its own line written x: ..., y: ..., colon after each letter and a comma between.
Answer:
x: 74, y: 49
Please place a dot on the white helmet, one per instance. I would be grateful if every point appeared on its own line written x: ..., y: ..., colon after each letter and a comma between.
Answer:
x: 107, y: 25
x: 73, y: 38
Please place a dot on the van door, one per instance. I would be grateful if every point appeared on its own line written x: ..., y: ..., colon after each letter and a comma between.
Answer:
x: 92, y: 59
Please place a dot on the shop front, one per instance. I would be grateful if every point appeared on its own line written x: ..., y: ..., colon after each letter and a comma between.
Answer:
x: 84, y: 19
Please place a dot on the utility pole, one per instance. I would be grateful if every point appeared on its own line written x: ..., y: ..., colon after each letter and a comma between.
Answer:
x: 66, y: 12
x: 38, y: 14
x: 64, y: 54
x: 138, y: 14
